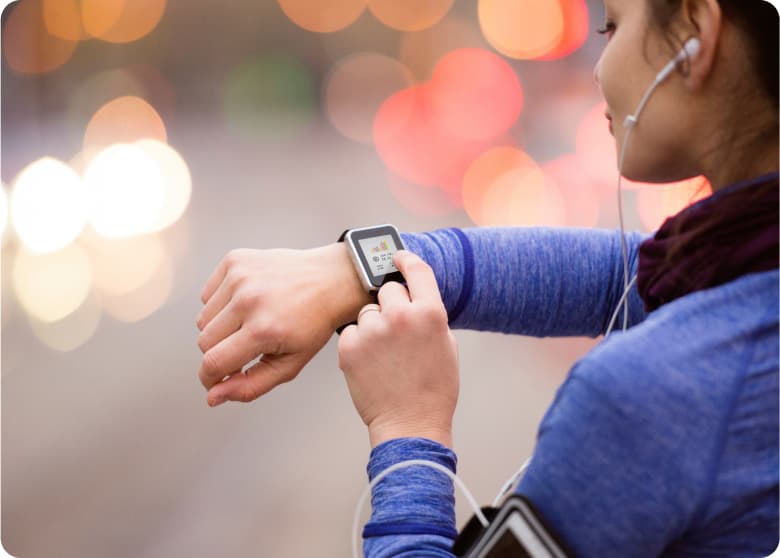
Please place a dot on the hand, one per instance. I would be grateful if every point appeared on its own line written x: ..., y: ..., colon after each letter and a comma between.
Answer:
x: 283, y: 304
x: 401, y: 359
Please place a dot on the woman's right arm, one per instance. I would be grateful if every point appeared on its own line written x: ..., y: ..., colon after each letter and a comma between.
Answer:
x: 537, y: 281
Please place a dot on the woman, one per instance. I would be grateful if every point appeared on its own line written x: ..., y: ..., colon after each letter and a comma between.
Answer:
x: 663, y: 440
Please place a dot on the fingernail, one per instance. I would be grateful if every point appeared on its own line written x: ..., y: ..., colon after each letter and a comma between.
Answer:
x: 219, y: 400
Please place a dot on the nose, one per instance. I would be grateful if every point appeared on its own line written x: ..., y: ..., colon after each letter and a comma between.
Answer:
x: 596, y: 69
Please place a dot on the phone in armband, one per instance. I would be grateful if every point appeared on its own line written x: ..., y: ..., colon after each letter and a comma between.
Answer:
x: 515, y: 531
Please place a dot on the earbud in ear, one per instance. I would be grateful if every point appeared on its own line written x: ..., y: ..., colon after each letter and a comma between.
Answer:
x: 692, y: 47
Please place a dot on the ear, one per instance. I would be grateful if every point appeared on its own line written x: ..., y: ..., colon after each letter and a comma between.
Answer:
x: 702, y: 19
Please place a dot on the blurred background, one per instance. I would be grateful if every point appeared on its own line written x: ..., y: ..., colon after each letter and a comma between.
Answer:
x: 144, y: 139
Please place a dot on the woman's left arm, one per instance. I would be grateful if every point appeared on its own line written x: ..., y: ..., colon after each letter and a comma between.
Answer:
x: 401, y: 366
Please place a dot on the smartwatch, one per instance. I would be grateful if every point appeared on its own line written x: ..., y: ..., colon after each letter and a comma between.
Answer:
x: 371, y: 250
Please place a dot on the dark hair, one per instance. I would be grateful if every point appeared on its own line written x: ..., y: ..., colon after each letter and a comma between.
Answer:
x: 758, y: 22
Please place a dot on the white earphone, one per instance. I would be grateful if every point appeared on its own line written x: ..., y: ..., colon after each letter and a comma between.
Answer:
x: 689, y: 51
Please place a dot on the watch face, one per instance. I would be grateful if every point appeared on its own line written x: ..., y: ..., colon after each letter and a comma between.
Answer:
x: 374, y: 247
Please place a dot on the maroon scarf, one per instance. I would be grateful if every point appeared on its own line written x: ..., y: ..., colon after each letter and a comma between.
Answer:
x: 731, y: 233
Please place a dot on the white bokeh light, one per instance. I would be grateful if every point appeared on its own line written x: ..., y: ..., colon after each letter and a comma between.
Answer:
x: 48, y: 205
x: 126, y: 190
x: 177, y: 182
x: 3, y: 210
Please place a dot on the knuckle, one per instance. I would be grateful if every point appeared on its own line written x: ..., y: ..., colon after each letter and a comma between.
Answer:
x: 203, y: 343
x: 433, y: 316
x: 210, y: 364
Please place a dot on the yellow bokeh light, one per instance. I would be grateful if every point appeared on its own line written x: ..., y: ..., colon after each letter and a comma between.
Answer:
x: 146, y: 299
x: 323, y: 17
x: 356, y: 89
x: 177, y: 182
x: 48, y: 205
x: 124, y: 120
x: 126, y: 191
x: 522, y: 29
x: 28, y: 46
x: 51, y: 286
x: 71, y: 332
x: 121, y: 266
x: 410, y: 15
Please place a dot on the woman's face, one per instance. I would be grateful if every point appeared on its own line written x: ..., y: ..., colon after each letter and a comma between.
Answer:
x: 635, y: 52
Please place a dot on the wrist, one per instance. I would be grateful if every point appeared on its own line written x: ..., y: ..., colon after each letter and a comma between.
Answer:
x: 344, y: 295
x: 381, y: 433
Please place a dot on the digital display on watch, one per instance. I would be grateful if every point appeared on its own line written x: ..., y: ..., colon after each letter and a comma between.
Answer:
x: 372, y: 249
x: 379, y: 252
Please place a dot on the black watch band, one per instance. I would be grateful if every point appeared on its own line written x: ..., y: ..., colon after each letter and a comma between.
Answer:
x: 372, y: 294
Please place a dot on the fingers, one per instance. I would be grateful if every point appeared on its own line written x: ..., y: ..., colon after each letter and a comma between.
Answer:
x: 215, y: 304
x: 224, y: 324
x: 258, y: 380
x: 367, y: 309
x: 214, y: 280
x: 419, y: 276
x: 392, y: 296
x: 230, y: 355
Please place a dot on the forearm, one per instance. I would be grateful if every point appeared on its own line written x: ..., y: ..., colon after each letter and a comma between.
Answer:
x: 531, y: 281
x: 413, y: 509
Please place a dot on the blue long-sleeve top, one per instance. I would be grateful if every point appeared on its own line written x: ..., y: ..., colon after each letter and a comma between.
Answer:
x: 663, y: 440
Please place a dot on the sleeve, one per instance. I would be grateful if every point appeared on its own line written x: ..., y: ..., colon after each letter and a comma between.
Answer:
x: 616, y: 474
x: 413, y: 509
x: 537, y: 281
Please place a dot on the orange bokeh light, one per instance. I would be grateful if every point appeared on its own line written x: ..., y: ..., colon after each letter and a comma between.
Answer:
x: 421, y: 51
x: 505, y: 186
x: 575, y: 29
x: 522, y: 29
x: 475, y: 94
x: 124, y: 120
x: 63, y: 19
x: 27, y: 44
x: 121, y: 21
x: 410, y: 15
x: 323, y: 17
x: 657, y: 202
x: 357, y: 87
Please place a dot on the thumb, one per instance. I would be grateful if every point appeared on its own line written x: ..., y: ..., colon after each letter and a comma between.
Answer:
x: 269, y: 372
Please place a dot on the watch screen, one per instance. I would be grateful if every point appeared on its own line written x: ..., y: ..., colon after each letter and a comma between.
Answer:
x: 378, y: 251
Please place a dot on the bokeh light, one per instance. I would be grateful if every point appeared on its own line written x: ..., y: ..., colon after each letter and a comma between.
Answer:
x: 413, y: 146
x: 122, y: 265
x: 124, y: 120
x: 420, y: 51
x: 657, y: 202
x: 48, y: 205
x: 581, y: 200
x: 73, y: 330
x: 63, y: 19
x: 505, y: 186
x: 475, y: 94
x: 3, y: 210
x: 51, y: 286
x: 323, y: 17
x: 177, y: 182
x: 121, y: 21
x: 144, y: 300
x: 28, y: 47
x: 575, y: 29
x: 410, y: 15
x: 423, y: 201
x: 270, y: 97
x: 357, y: 87
x: 522, y: 29
x: 126, y: 191
x: 596, y: 150
x: 99, y: 89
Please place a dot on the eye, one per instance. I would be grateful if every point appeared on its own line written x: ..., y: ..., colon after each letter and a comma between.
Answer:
x: 608, y: 29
